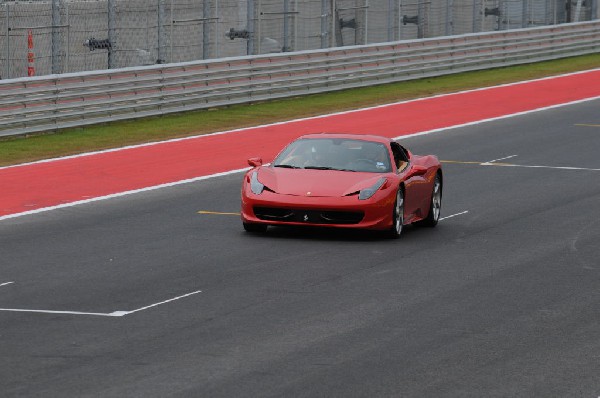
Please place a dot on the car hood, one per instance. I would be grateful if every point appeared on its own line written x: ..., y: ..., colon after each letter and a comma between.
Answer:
x: 315, y: 183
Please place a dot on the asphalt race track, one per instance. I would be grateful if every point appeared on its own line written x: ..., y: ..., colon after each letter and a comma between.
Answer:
x: 144, y: 296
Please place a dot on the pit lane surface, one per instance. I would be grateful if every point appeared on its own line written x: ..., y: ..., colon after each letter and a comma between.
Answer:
x: 143, y: 296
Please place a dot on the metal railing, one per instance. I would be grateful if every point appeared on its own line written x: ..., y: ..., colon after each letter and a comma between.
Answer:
x: 48, y: 103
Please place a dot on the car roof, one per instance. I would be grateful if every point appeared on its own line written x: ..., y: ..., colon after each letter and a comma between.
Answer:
x: 362, y: 137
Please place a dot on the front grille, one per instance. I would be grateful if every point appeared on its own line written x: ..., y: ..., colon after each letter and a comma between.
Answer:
x: 308, y: 216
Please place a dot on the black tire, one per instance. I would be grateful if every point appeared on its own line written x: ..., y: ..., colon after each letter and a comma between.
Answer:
x: 435, y: 205
x: 255, y: 228
x: 398, y: 216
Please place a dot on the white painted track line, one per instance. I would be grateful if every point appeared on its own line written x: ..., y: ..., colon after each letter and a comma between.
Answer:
x: 164, y: 302
x: 111, y: 314
x: 454, y: 215
x: 504, y: 158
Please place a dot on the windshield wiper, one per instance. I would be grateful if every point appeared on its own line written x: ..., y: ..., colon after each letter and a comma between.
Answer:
x: 286, y: 166
x: 326, y: 168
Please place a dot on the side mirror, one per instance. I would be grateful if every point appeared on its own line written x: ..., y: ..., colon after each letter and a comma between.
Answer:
x: 255, y: 162
x: 416, y: 171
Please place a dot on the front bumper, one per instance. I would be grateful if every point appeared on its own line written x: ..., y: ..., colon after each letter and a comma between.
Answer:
x: 340, y: 212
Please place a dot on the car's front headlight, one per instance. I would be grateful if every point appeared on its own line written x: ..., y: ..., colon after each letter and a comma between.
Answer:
x: 256, y: 186
x: 366, y: 193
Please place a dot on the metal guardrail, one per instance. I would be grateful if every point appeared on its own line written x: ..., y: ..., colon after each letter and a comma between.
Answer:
x: 53, y: 102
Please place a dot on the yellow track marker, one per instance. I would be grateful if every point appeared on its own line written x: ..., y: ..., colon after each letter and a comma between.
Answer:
x: 218, y: 213
x: 587, y: 125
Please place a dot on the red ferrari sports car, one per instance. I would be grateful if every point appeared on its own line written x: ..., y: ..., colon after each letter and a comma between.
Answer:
x: 344, y: 181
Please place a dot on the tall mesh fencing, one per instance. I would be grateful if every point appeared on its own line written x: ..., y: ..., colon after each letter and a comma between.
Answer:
x: 41, y: 37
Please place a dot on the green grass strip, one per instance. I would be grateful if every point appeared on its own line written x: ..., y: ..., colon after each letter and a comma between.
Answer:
x: 15, y: 150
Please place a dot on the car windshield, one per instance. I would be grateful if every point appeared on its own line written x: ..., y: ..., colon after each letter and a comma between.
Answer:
x: 335, y: 154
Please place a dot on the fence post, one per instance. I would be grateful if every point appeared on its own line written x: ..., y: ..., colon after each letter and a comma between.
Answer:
x: 111, y: 33
x: 525, y: 17
x: 250, y: 24
x: 206, y: 29
x: 286, y: 25
x: 365, y: 13
x: 161, y: 33
x: 7, y: 74
x: 324, y: 32
x: 400, y: 16
x: 333, y: 30
x: 390, y: 20
x: 475, y: 15
x: 421, y: 19
x: 56, y: 45
x: 449, y: 17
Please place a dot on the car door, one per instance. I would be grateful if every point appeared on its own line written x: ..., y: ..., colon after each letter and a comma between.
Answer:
x: 415, y: 182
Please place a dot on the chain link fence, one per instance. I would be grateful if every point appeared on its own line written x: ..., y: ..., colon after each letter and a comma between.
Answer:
x: 41, y: 37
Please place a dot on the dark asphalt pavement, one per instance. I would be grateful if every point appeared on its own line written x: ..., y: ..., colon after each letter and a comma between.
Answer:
x: 502, y: 301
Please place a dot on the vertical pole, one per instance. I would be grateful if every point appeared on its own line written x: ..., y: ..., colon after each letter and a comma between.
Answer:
x: 172, y: 26
x: 333, y: 32
x: 366, y: 34
x: 447, y: 30
x: 206, y: 29
x: 147, y: 45
x: 498, y: 18
x: 525, y: 16
x: 421, y: 24
x: 56, y: 37
x: 68, y: 45
x: 7, y: 73
x: 400, y: 19
x: 294, y: 41
x: 482, y: 8
x: 259, y: 28
x: 217, y: 36
x: 390, y: 21
x: 359, y: 23
x: 475, y: 12
x: 324, y: 13
x: 578, y: 10
x: 161, y: 32
x: 286, y: 25
x: 250, y: 23
x: 111, y: 33
x: 482, y: 13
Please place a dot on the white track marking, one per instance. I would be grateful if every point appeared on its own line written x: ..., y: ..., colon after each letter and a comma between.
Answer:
x: 111, y: 314
x: 328, y: 115
x: 497, y: 160
x: 55, y: 312
x: 454, y: 215
x: 5, y: 283
x: 163, y: 302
